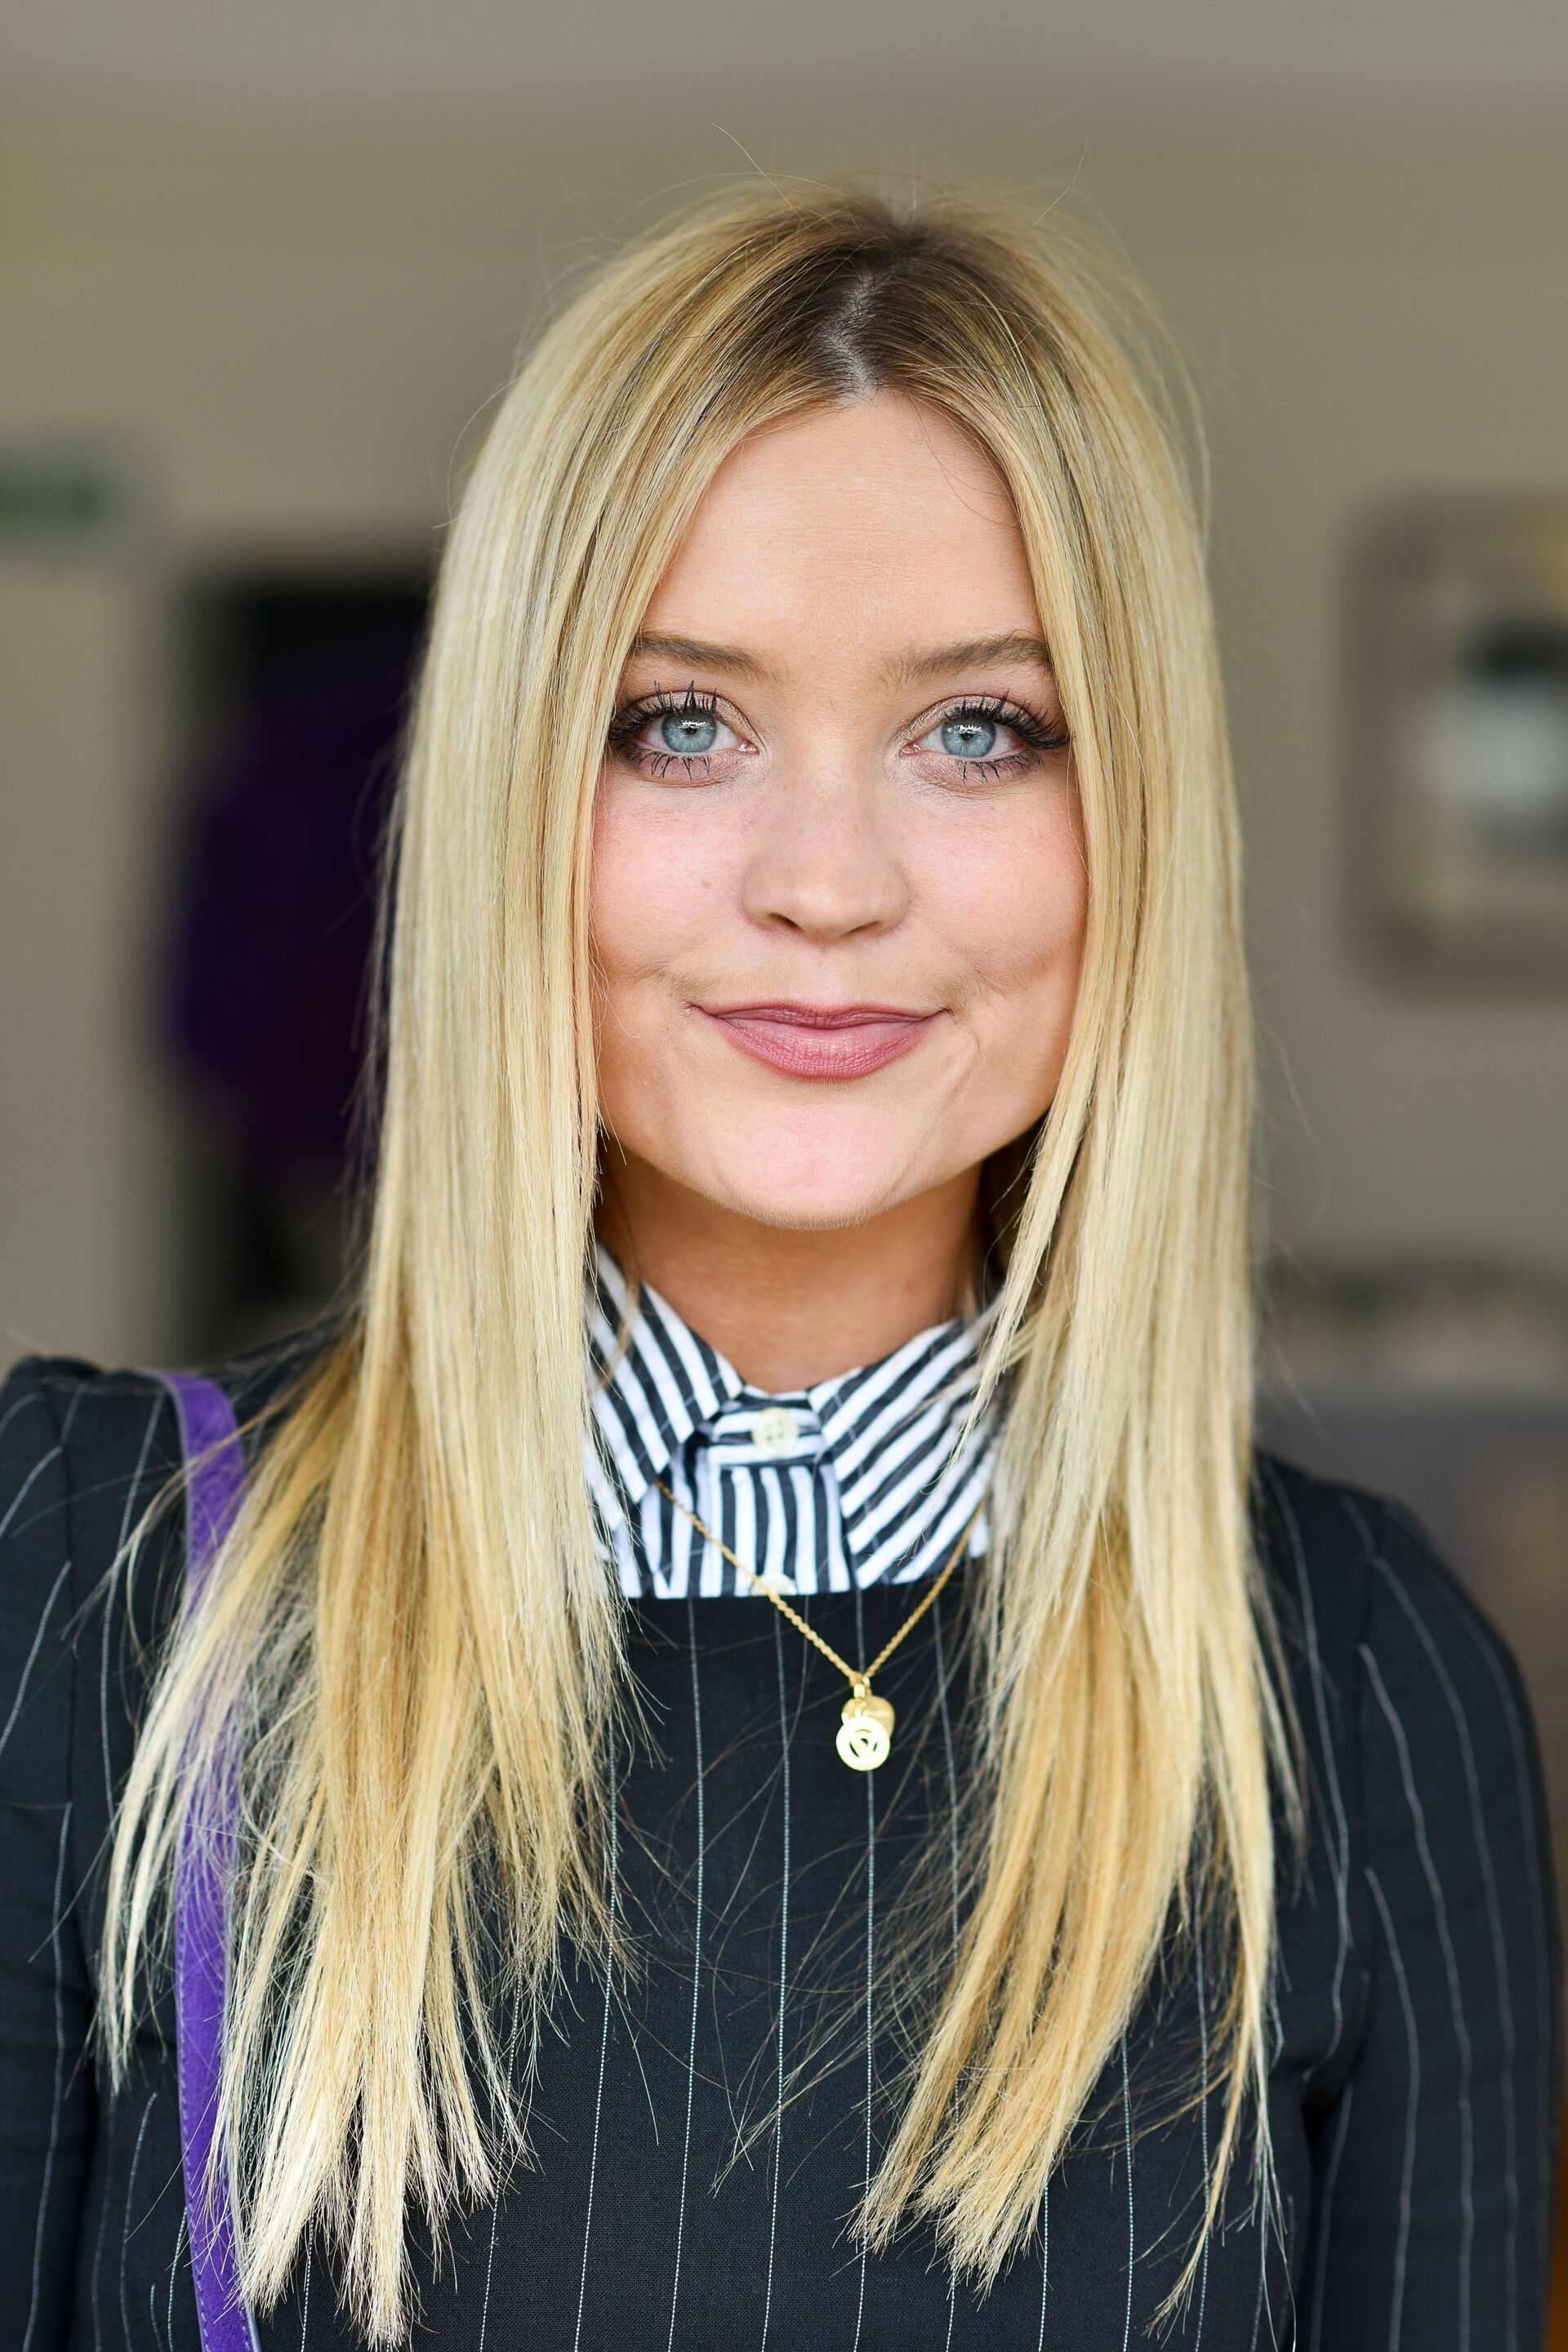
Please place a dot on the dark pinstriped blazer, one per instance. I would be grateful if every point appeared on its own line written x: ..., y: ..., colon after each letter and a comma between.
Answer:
x: 1416, y: 2015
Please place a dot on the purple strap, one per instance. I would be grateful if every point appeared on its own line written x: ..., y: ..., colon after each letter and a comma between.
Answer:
x: 215, y: 1465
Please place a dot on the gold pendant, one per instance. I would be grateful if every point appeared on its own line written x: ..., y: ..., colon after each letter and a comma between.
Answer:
x: 866, y: 1732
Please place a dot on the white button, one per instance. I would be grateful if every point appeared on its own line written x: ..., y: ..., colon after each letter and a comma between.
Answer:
x: 775, y: 1429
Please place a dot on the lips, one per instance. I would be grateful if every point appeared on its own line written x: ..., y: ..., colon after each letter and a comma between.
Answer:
x: 818, y: 1041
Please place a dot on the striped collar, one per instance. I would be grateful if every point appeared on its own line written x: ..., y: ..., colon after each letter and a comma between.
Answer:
x: 851, y: 1481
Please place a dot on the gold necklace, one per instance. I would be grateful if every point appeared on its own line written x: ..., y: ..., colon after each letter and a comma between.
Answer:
x: 865, y: 1732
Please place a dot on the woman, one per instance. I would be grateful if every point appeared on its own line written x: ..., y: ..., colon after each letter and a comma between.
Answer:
x: 802, y: 1783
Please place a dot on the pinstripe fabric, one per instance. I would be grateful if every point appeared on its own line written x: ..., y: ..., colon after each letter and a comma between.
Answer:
x: 865, y: 1484
x: 702, y: 2131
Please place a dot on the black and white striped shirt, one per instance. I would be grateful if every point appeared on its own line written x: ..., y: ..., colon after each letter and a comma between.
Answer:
x: 701, y: 2135
x: 858, y: 1480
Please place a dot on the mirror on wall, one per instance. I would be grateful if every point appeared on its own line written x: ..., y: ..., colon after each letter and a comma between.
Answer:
x: 1457, y: 816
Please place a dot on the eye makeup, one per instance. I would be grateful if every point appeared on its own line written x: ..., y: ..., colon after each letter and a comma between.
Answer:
x: 968, y: 731
x: 692, y: 713
x: 686, y: 726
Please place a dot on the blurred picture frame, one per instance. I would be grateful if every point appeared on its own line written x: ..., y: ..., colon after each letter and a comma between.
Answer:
x: 1456, y: 776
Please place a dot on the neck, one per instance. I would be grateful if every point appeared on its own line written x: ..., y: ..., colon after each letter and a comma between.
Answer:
x: 790, y: 1307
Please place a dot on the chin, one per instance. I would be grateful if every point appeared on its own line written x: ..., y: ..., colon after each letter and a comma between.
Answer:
x: 827, y: 1201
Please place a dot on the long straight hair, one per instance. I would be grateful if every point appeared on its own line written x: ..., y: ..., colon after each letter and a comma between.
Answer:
x: 411, y: 1634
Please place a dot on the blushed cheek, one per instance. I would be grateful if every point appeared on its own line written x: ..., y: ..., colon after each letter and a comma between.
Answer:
x: 1018, y: 914
x: 1025, y: 954
x: 646, y: 906
x: 664, y: 888
x: 628, y: 906
x: 616, y: 912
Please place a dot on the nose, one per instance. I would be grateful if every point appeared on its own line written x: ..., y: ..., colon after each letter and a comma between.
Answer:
x: 822, y: 861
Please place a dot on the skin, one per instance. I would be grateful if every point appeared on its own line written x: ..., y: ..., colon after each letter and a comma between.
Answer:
x: 852, y: 577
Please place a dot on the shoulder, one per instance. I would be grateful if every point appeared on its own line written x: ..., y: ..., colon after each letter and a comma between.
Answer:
x: 99, y: 1427
x: 70, y: 1429
x: 1418, y: 1694
x: 1359, y: 1580
x: 85, y: 1452
x: 84, y: 1447
x: 1315, y: 1539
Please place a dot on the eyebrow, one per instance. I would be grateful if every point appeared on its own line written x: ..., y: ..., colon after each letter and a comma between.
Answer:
x: 909, y: 669
x: 971, y: 653
x: 732, y: 658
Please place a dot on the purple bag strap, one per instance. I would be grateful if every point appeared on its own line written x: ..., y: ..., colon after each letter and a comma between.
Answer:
x: 215, y: 1466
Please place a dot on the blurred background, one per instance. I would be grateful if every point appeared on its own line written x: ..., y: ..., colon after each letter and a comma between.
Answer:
x: 262, y: 274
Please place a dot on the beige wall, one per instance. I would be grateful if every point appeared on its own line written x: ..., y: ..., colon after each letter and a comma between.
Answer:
x: 294, y: 336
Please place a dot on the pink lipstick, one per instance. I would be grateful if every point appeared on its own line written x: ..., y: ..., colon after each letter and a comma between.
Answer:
x: 821, y: 1041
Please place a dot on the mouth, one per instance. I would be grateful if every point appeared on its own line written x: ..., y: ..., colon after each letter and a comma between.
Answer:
x: 820, y: 1041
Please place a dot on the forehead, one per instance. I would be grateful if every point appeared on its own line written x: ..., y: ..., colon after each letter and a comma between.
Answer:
x: 847, y: 530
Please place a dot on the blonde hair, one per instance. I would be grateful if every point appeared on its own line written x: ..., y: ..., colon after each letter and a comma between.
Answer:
x: 411, y: 1627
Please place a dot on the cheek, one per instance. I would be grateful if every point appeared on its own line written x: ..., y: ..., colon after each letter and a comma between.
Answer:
x: 1011, y: 898
x: 660, y: 889
x: 629, y: 939
x: 649, y: 892
x: 616, y: 909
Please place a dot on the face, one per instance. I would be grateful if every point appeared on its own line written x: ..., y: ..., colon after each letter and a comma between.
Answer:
x: 838, y: 889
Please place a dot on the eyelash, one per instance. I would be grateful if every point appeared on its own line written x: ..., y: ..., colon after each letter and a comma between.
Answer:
x: 1000, y: 711
x: 632, y: 716
x: 693, y: 702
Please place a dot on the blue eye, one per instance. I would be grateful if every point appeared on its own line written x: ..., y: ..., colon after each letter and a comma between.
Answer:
x: 991, y: 735
x: 688, y: 738
x: 967, y: 736
x: 688, y: 734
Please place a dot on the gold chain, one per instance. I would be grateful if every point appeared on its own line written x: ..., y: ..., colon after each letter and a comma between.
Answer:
x: 866, y: 1732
